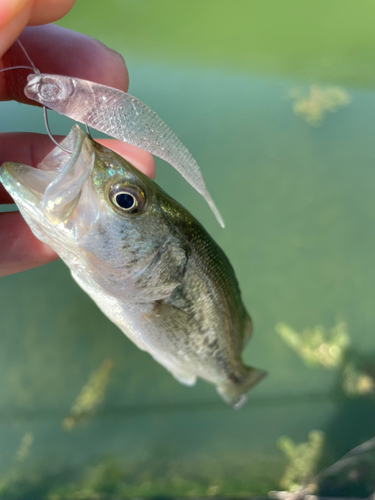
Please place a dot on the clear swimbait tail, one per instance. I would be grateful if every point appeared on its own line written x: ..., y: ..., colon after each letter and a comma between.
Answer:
x: 121, y: 116
x: 124, y: 117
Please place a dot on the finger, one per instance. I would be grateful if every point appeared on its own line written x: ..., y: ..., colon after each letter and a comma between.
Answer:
x: 30, y: 149
x: 60, y: 51
x: 19, y: 249
x: 16, y: 14
x: 48, y: 11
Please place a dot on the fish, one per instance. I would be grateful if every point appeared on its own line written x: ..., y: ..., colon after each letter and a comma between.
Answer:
x: 119, y: 115
x: 148, y: 264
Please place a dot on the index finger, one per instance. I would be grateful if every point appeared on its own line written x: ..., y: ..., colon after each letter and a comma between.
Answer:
x: 60, y: 51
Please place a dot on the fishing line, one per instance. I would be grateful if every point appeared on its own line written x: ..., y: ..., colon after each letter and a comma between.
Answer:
x: 36, y: 71
x: 16, y: 67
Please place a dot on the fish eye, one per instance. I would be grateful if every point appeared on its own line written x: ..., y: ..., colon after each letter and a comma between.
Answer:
x: 125, y: 201
x: 127, y: 198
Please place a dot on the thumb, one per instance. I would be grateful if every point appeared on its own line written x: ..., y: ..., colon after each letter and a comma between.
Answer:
x: 14, y: 16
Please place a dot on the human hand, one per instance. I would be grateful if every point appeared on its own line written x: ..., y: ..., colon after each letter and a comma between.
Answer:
x: 58, y: 51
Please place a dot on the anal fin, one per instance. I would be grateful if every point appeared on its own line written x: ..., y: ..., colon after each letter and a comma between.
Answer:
x: 184, y: 378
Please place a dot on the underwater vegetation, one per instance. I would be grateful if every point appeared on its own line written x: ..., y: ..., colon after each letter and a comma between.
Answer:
x: 112, y: 477
x: 351, y: 476
x: 317, y: 346
x: 354, y: 473
x: 296, y: 471
x: 328, y: 348
x: 12, y: 476
x: 355, y: 382
x: 303, y: 459
x: 319, y: 102
x: 90, y: 397
x: 24, y: 448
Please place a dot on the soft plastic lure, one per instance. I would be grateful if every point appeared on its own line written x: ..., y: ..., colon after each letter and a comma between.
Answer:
x: 118, y: 115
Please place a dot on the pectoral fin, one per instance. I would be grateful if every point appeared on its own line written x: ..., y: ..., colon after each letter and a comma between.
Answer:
x: 163, y: 273
x: 154, y: 278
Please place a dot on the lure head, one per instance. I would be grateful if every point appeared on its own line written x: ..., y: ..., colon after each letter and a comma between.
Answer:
x: 101, y: 215
x: 59, y: 93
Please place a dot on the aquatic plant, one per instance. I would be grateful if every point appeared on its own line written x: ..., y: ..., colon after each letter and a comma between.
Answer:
x: 317, y: 346
x: 90, y: 397
x: 355, y: 382
x: 321, y: 100
x: 303, y: 459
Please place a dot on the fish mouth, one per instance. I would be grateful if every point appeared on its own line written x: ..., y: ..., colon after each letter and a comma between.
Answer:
x: 55, y: 185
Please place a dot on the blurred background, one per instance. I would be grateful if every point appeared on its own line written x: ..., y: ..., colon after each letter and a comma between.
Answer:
x: 276, y: 101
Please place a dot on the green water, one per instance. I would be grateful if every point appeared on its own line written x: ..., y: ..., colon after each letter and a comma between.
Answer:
x: 300, y: 212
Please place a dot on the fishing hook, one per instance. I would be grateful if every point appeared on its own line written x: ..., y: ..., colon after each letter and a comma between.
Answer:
x: 49, y: 132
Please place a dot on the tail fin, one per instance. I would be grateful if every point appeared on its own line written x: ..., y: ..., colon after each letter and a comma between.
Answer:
x: 235, y: 393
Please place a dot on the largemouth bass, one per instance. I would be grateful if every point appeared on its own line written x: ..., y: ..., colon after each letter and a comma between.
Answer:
x: 143, y: 258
